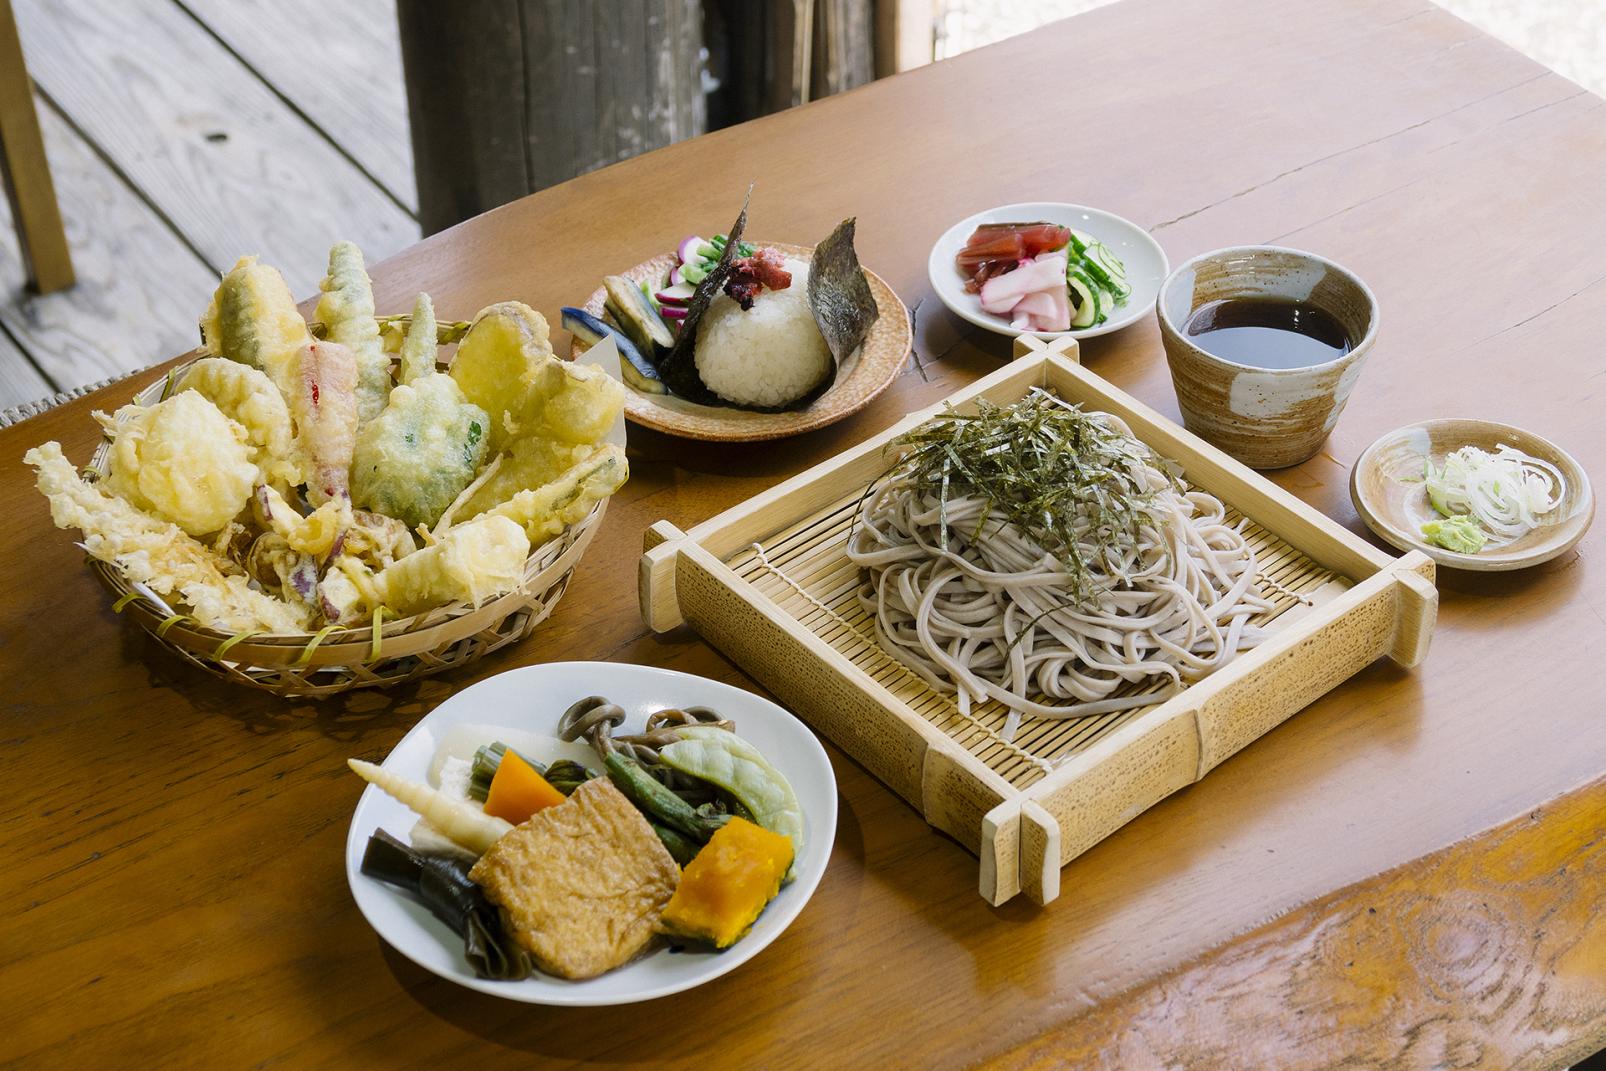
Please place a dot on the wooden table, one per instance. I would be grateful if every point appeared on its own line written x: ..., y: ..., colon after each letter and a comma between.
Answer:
x: 173, y: 881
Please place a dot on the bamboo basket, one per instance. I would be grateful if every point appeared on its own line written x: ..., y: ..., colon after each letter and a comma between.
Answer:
x: 376, y: 655
x: 768, y: 582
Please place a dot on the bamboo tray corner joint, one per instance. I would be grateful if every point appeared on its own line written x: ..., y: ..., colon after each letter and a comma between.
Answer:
x: 769, y: 584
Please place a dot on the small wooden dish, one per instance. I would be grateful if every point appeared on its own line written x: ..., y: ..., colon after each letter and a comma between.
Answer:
x: 1386, y: 486
x: 862, y: 376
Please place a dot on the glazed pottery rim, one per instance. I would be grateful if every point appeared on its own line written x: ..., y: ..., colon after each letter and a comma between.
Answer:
x: 1384, y: 528
x: 1353, y: 353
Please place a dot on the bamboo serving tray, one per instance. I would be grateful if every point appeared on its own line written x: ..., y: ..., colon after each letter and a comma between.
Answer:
x: 769, y: 584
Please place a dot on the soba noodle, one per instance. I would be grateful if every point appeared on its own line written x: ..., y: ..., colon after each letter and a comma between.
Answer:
x: 1156, y: 589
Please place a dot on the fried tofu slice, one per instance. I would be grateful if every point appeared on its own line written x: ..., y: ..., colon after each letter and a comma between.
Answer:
x: 581, y: 884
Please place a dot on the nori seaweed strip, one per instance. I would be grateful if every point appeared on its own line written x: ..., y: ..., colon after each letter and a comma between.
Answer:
x: 839, y: 295
x: 443, y: 885
x: 679, y: 369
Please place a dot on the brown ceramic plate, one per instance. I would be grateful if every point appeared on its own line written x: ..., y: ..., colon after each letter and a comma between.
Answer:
x: 862, y: 376
x: 1386, y: 486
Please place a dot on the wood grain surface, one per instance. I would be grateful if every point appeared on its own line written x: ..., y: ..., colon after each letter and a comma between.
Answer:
x: 350, y: 86
x: 18, y: 377
x: 174, y: 881
x: 25, y: 172
x: 120, y: 315
x: 1506, y: 954
x: 205, y: 139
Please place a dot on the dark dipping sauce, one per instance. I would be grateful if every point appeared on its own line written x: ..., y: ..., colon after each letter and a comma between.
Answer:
x: 1268, y: 332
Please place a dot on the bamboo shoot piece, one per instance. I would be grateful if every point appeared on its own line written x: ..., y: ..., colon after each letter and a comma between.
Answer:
x: 460, y: 820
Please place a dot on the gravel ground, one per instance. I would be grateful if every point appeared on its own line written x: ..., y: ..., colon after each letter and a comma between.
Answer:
x: 1568, y: 36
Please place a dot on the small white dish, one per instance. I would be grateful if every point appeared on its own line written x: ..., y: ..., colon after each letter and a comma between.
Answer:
x: 532, y: 698
x: 1145, y: 262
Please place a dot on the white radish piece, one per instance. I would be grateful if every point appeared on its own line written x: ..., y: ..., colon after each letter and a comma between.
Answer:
x: 999, y: 294
x: 1060, y: 318
x: 460, y: 820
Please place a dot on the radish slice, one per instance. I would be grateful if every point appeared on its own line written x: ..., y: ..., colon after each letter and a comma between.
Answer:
x: 1038, y: 305
x: 688, y: 249
x: 1000, y: 293
x: 674, y: 312
x: 679, y: 294
x: 674, y: 275
x: 1060, y: 318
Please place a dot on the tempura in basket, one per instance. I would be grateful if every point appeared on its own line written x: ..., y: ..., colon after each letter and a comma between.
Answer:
x: 291, y: 479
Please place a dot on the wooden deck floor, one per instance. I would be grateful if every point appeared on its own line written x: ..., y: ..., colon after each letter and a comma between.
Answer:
x: 182, y: 134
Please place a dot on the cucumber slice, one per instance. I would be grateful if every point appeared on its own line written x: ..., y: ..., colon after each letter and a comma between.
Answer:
x: 1107, y: 302
x: 1107, y: 269
x: 693, y: 273
x: 1080, y: 240
x: 1084, y: 295
x: 743, y: 249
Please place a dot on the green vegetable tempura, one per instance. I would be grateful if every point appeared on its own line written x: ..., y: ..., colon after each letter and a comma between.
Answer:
x: 1462, y: 534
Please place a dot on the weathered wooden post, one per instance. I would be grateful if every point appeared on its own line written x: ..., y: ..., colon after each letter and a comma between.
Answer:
x: 510, y: 96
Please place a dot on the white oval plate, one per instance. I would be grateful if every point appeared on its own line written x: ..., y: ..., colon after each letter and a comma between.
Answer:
x: 532, y: 698
x: 1145, y: 261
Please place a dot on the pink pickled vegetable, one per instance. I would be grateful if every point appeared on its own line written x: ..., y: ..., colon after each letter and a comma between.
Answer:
x: 1001, y: 292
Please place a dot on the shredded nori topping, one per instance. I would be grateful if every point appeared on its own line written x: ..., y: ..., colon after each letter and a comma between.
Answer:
x: 1062, y: 477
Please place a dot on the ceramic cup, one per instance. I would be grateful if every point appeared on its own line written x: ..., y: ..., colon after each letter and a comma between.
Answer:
x: 1267, y: 418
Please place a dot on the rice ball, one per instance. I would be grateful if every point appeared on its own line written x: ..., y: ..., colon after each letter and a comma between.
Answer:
x: 767, y: 356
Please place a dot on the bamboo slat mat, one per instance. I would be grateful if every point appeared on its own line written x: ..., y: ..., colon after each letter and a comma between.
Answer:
x: 805, y: 571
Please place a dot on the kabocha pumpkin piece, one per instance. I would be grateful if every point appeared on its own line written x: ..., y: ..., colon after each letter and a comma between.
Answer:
x: 182, y: 460
x: 581, y: 884
x: 727, y: 886
x: 346, y: 310
x: 416, y: 457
